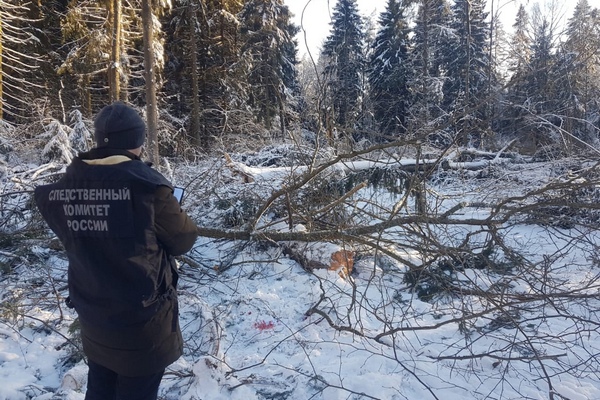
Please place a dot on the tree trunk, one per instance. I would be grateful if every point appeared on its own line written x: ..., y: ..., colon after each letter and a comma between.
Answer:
x: 151, y: 105
x: 195, y: 114
x: 281, y: 114
x: 86, y: 94
x: 114, y: 81
x: 1, y: 70
x: 466, y: 125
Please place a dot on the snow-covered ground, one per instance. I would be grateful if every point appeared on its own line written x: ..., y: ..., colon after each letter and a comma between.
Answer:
x: 259, y: 326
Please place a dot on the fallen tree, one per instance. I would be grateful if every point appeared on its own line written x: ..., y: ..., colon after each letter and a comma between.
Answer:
x: 361, y: 220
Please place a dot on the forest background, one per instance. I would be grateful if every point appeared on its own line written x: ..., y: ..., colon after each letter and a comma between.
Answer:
x: 417, y: 203
x: 230, y: 69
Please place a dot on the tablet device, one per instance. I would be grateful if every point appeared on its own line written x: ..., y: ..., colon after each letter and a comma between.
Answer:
x: 178, y: 193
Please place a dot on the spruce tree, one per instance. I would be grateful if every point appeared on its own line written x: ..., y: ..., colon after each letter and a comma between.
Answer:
x: 268, y: 51
x: 344, y: 67
x: 519, y: 63
x: 203, y: 47
x: 390, y: 71
x: 577, y: 82
x: 538, y: 86
x: 542, y: 60
x: 22, y: 44
x: 431, y: 38
x: 87, y: 30
x: 520, y: 47
x: 467, y: 83
x: 294, y: 101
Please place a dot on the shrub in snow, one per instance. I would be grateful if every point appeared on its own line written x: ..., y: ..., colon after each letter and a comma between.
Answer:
x: 548, y: 153
x: 5, y: 146
x: 284, y: 155
x: 5, y: 131
x: 80, y: 137
x: 579, y: 198
x: 5, y: 127
x: 58, y: 149
x: 237, y: 212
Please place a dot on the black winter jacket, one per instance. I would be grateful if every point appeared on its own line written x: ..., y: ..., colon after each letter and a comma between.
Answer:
x: 121, y: 225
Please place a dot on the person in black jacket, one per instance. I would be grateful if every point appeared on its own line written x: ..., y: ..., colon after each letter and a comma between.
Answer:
x: 121, y: 226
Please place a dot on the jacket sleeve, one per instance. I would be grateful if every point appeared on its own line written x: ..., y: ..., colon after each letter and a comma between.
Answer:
x: 174, y: 228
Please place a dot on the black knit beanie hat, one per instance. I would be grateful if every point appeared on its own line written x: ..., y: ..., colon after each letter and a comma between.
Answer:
x: 119, y: 126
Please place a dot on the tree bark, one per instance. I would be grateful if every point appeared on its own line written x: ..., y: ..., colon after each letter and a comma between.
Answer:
x: 151, y: 106
x: 114, y: 81
x: 195, y: 114
x: 1, y: 69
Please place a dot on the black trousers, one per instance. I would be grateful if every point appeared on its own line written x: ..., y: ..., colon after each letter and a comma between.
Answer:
x: 105, y: 384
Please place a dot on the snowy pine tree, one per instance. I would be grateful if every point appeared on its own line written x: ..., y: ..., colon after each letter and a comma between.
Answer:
x: 203, y: 49
x: 466, y: 89
x: 431, y: 35
x: 268, y: 51
x: 541, y: 64
x: 577, y: 82
x: 519, y: 62
x: 344, y: 66
x: 390, y: 70
x: 538, y: 88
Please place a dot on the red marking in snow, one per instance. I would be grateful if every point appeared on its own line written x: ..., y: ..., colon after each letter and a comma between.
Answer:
x: 263, y: 325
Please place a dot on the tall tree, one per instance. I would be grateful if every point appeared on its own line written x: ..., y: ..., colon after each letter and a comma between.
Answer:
x: 91, y: 30
x: 205, y: 80
x: 390, y: 70
x: 115, y: 12
x: 150, y: 80
x: 497, y: 42
x: 577, y: 82
x: 467, y: 83
x: 538, y: 87
x: 290, y: 75
x: 104, y: 47
x: 431, y: 37
x: 518, y: 66
x: 542, y: 61
x: 344, y: 66
x: 21, y: 74
x: 268, y: 51
x: 520, y: 48
x: 48, y: 16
